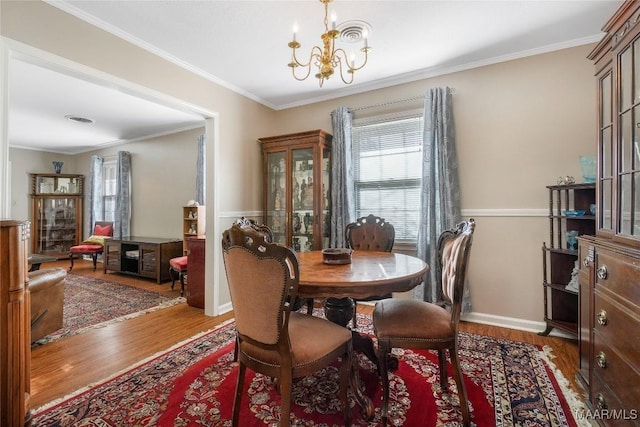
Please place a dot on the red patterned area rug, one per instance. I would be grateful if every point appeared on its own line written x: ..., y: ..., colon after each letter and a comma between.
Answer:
x: 509, y: 384
x: 91, y: 303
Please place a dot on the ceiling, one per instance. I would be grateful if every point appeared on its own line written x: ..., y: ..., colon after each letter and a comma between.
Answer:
x: 242, y: 45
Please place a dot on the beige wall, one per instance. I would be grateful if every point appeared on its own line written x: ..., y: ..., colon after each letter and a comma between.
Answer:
x: 520, y: 125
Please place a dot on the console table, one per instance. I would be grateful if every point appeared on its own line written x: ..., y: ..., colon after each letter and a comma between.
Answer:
x: 141, y: 256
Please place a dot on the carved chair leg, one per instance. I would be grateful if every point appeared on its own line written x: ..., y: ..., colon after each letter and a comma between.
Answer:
x: 383, y: 358
x: 286, y: 386
x: 71, y: 259
x: 442, y: 361
x: 238, y: 397
x: 182, y: 283
x: 462, y: 391
x: 94, y: 256
x: 173, y: 278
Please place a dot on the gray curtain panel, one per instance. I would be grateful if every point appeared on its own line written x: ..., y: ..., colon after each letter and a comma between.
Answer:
x: 342, y: 184
x: 200, y: 171
x: 96, y: 193
x: 440, y: 193
x: 122, y: 226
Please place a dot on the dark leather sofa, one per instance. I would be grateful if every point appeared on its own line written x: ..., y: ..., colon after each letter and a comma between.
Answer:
x: 46, y: 287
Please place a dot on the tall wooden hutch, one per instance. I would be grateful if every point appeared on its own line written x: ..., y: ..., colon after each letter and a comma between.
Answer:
x: 609, y: 278
x: 296, y: 188
x: 56, y: 213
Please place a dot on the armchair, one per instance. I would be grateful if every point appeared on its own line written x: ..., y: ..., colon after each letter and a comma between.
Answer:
x: 94, y: 245
x: 46, y: 287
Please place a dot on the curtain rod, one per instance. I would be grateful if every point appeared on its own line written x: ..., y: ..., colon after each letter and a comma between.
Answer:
x: 386, y: 104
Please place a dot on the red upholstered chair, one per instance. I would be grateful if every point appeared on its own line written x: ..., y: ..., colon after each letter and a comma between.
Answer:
x: 178, y: 266
x: 94, y: 245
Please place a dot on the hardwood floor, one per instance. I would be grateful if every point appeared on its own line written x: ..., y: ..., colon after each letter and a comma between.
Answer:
x: 63, y: 366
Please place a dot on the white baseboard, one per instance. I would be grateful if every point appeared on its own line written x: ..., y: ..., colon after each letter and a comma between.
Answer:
x: 224, y: 308
x: 512, y: 323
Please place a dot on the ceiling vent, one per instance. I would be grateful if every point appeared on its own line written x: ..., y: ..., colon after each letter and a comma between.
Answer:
x: 354, y: 31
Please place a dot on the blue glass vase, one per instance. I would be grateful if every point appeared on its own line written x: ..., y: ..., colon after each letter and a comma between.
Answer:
x: 57, y: 166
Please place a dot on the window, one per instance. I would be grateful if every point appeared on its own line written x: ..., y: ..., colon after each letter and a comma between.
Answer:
x: 388, y: 169
x: 109, y: 174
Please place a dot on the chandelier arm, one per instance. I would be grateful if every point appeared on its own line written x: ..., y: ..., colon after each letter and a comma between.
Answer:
x: 345, y: 58
x: 315, y: 53
x: 349, y: 71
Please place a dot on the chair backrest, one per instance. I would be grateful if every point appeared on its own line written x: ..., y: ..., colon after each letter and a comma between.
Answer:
x: 370, y: 233
x: 262, y: 278
x: 103, y: 228
x: 454, y: 248
x: 248, y: 223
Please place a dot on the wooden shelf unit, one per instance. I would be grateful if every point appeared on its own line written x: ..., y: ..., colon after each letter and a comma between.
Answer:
x: 193, y: 223
x: 559, y: 259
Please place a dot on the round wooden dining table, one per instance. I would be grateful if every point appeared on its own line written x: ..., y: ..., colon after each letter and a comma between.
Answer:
x: 369, y: 274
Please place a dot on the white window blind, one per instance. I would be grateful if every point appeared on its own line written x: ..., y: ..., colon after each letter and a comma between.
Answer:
x: 387, y: 170
x: 109, y: 172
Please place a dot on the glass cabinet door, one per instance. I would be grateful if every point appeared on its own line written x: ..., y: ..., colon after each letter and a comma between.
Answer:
x: 54, y: 184
x: 303, y: 220
x: 326, y: 202
x: 628, y: 150
x: 605, y: 202
x: 56, y: 225
x: 276, y: 195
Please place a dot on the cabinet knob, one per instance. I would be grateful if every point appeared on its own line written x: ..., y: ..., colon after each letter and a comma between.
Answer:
x: 601, y: 360
x: 602, y: 272
x: 600, y: 402
x: 602, y: 318
x: 585, y: 262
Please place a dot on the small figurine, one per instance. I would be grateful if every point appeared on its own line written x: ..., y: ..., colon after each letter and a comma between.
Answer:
x: 566, y: 180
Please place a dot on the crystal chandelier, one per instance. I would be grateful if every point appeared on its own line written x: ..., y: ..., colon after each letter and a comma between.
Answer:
x: 327, y: 58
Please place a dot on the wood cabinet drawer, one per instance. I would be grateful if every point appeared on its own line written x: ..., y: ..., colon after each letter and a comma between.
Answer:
x: 608, y: 410
x: 617, y: 326
x: 619, y: 275
x: 612, y: 370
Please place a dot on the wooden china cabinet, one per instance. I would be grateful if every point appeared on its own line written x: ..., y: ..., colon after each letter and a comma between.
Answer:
x: 609, y: 277
x: 296, y: 188
x: 56, y: 213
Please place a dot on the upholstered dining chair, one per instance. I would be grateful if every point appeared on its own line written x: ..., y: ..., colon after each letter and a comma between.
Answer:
x: 94, y: 244
x: 369, y: 233
x: 272, y: 339
x: 413, y: 324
